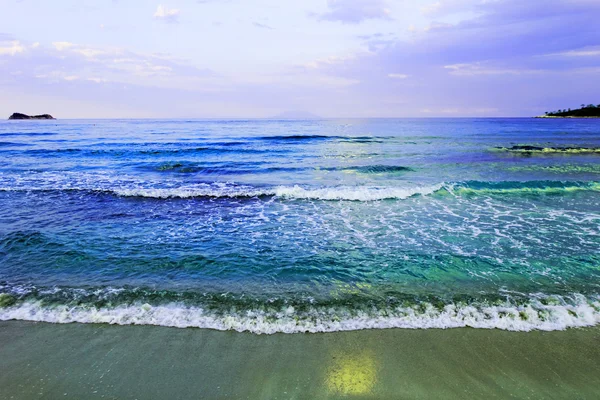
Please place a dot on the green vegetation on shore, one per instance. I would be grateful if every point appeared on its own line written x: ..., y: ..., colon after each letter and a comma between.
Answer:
x: 589, y: 111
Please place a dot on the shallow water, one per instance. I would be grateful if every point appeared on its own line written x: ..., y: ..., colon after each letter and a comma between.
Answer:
x: 294, y: 226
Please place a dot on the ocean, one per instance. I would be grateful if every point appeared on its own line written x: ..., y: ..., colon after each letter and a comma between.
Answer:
x: 273, y: 226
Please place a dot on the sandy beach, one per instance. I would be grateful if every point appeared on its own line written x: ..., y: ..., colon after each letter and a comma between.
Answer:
x: 77, y: 361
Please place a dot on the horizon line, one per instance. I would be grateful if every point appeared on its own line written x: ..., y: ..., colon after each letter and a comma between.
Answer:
x: 272, y: 118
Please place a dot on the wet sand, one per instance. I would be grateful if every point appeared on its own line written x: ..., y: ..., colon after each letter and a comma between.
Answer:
x: 86, y: 361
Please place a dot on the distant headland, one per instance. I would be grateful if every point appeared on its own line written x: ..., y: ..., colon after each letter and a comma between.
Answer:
x: 25, y: 116
x: 589, y: 111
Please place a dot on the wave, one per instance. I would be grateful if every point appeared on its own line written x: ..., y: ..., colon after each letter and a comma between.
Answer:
x: 218, y: 168
x: 354, y: 193
x: 522, y: 188
x: 14, y: 144
x: 262, y: 167
x: 6, y: 134
x: 304, y: 138
x: 379, y: 169
x: 538, y: 312
x: 351, y: 193
x: 364, y: 193
x: 131, y: 188
x: 298, y: 137
x: 528, y: 149
x: 559, y: 169
x: 147, y: 152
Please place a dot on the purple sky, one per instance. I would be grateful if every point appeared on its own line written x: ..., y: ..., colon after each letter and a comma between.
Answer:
x: 332, y: 58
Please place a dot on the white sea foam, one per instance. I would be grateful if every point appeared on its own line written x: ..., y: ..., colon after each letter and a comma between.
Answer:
x: 355, y: 193
x: 190, y: 192
x: 532, y: 316
x: 130, y: 187
x: 352, y: 193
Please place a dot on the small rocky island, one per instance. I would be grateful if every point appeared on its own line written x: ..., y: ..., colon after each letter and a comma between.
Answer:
x: 589, y: 111
x: 25, y: 116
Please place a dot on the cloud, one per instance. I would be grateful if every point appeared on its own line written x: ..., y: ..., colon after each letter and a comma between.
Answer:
x: 166, y: 14
x: 60, y: 46
x: 86, y: 51
x: 483, y: 69
x: 496, y: 58
x: 66, y: 61
x: 97, y: 80
x: 354, y: 11
x: 592, y: 51
x: 11, y: 48
x: 263, y: 26
x: 488, y: 58
x: 442, y: 8
x: 397, y: 76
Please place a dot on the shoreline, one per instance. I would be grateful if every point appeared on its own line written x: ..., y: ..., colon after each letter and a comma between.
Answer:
x: 42, y: 360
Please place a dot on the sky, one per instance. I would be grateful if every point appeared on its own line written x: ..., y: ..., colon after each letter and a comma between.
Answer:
x: 331, y: 58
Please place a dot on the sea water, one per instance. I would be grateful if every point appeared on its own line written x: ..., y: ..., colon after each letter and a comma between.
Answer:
x: 302, y: 226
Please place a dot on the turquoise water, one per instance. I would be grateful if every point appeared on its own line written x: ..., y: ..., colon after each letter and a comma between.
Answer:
x: 302, y: 226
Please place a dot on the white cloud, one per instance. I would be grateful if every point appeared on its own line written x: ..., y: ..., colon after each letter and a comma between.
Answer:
x: 474, y: 69
x: 355, y: 11
x: 461, y: 110
x: 87, y: 52
x: 72, y: 62
x: 586, y: 52
x: 166, y: 14
x: 12, y: 48
x: 446, y: 7
x: 263, y: 26
x: 60, y: 46
x: 398, y: 76
x: 327, y: 61
x: 431, y: 8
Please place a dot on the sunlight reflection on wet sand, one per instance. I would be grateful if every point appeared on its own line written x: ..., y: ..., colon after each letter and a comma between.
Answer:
x: 352, y: 374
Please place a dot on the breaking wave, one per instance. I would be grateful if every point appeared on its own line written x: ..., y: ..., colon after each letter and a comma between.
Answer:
x: 528, y: 149
x: 537, y: 312
x: 350, y: 193
x: 126, y: 188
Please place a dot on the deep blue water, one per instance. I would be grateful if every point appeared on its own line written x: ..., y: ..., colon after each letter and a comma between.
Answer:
x: 292, y: 226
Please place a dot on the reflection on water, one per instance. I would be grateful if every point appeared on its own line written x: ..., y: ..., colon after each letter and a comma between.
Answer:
x: 351, y: 374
